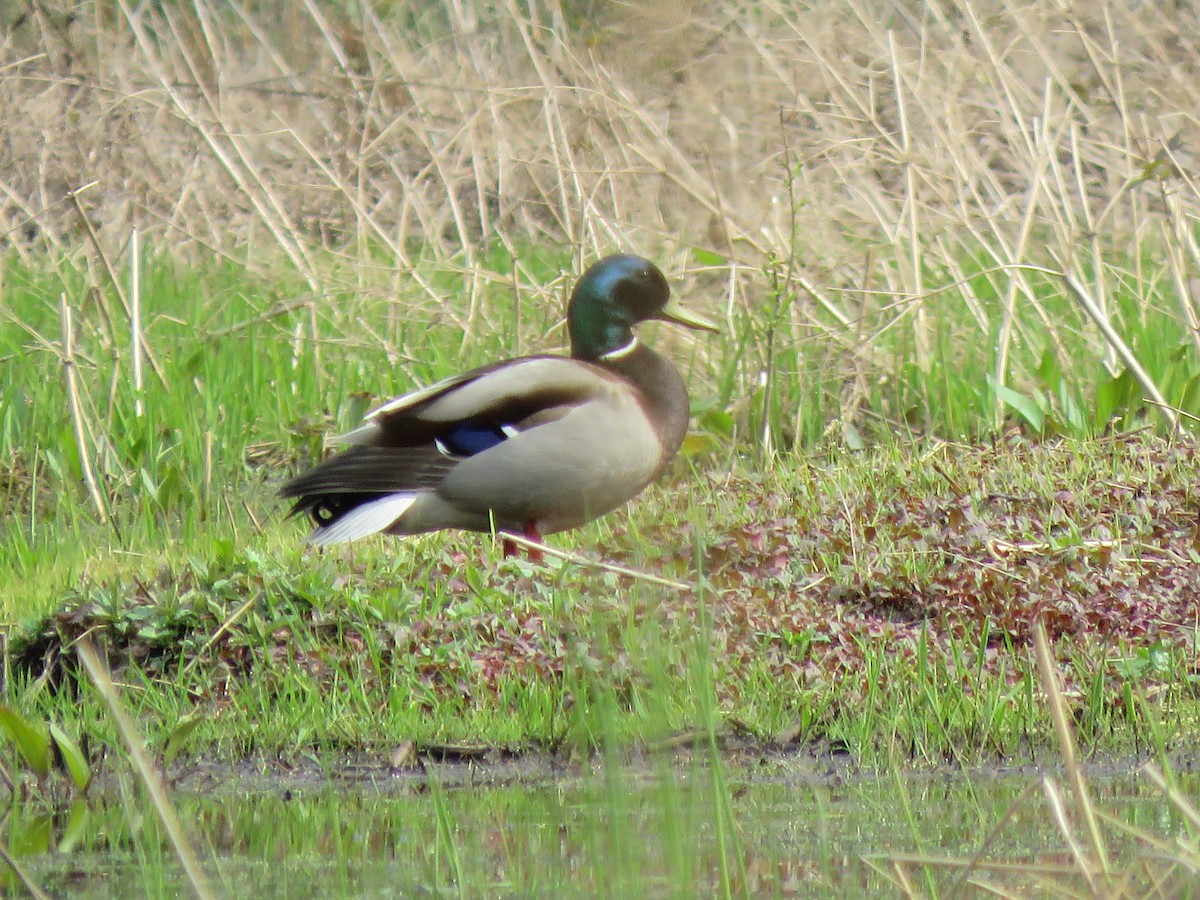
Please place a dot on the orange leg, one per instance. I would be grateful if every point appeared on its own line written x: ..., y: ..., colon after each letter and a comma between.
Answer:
x: 531, y: 532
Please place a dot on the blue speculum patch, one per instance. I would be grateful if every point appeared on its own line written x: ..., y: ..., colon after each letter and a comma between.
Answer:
x: 469, y: 438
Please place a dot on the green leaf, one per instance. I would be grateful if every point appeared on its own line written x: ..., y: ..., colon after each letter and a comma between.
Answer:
x: 30, y: 836
x: 179, y: 736
x: 708, y: 257
x: 73, y: 758
x: 1113, y: 398
x: 718, y: 421
x: 1049, y: 371
x: 54, y: 462
x: 75, y: 828
x: 30, y: 740
x: 696, y: 444
x: 1073, y: 416
x: 195, y: 362
x: 170, y: 487
x: 1029, y: 408
x: 151, y: 487
x: 223, y: 552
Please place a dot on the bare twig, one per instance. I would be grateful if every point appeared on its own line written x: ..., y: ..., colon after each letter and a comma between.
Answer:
x: 595, y: 564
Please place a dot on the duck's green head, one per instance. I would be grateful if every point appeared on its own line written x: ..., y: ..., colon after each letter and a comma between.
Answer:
x: 613, y: 296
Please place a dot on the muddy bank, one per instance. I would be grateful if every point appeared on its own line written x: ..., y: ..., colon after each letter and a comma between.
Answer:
x: 748, y: 761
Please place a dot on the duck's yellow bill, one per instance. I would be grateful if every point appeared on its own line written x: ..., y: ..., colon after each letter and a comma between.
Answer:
x: 675, y: 312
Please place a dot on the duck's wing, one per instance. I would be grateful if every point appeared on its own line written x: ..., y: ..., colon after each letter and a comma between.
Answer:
x: 478, y: 409
x: 411, y: 443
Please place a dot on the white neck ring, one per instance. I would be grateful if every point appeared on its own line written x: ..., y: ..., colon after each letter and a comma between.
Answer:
x: 620, y: 352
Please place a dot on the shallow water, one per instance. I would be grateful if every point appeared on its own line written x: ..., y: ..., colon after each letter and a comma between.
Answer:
x: 655, y: 830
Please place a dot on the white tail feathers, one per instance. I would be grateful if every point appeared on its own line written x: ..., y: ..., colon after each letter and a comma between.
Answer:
x: 367, y: 519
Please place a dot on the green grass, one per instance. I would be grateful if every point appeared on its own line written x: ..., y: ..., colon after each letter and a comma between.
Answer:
x: 389, y: 643
x: 247, y: 383
x: 878, y: 601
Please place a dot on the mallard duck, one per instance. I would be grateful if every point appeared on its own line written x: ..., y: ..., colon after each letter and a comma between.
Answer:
x: 529, y: 446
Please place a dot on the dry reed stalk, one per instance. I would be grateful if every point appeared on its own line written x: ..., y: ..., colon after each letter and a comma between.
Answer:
x: 583, y: 561
x: 18, y: 871
x: 206, y: 483
x: 1070, y: 757
x: 102, y: 681
x: 228, y: 157
x: 1168, y: 854
x: 903, y: 881
x: 102, y: 298
x: 229, y: 622
x: 1083, y: 864
x: 246, y: 173
x: 75, y: 405
x: 135, y: 318
x: 1008, y: 315
x: 1092, y: 308
x: 1178, y: 800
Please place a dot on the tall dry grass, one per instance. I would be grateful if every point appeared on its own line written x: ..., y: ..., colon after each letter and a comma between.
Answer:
x: 875, y: 154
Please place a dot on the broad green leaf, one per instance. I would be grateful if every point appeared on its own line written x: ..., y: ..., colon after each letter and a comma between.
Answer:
x: 76, y: 826
x: 1027, y: 407
x: 718, y: 421
x: 707, y: 257
x: 222, y: 551
x: 1049, y: 371
x: 1113, y: 398
x: 30, y: 835
x: 1104, y: 407
x: 30, y: 740
x: 1073, y: 416
x: 170, y: 487
x: 149, y: 484
x: 698, y: 443
x: 73, y: 758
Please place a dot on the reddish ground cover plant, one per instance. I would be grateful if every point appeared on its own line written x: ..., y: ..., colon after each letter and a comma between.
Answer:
x: 822, y: 584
